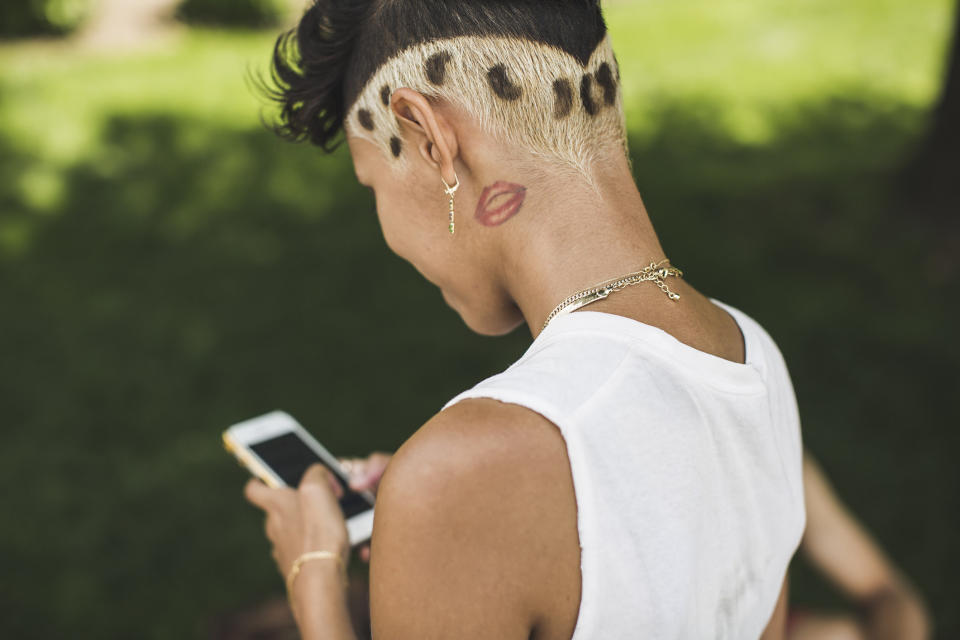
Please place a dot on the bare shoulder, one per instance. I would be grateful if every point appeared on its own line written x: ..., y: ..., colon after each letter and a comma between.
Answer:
x: 478, y: 436
x: 475, y: 514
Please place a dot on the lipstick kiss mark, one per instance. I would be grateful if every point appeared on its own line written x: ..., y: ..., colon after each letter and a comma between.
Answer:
x: 499, y: 202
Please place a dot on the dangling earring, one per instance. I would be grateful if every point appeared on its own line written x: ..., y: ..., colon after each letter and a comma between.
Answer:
x: 450, y: 191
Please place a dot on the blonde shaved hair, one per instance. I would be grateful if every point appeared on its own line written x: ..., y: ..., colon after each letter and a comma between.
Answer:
x: 523, y: 92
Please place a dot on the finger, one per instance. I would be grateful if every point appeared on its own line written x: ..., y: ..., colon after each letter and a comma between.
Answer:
x: 258, y: 494
x: 315, y: 474
x: 348, y: 465
x: 357, y: 471
x: 335, y: 484
x: 270, y: 528
x: 373, y: 469
x: 318, y: 476
x: 365, y: 476
x: 365, y: 553
x: 360, y: 483
x: 358, y: 468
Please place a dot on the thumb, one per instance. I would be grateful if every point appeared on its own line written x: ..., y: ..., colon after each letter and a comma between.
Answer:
x: 315, y: 474
x: 319, y: 475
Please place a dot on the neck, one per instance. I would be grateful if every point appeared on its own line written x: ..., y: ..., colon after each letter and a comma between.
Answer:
x: 574, y: 237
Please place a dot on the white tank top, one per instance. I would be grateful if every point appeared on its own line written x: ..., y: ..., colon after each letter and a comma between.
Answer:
x: 686, y: 470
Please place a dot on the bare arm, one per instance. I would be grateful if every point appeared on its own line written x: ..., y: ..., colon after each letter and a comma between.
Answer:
x: 777, y: 627
x: 322, y: 612
x: 458, y: 548
x: 838, y: 545
x: 304, y: 520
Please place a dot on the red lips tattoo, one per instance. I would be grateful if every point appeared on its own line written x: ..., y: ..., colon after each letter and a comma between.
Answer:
x: 499, y: 202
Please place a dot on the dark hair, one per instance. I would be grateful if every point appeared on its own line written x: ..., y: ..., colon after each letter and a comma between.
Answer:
x: 320, y: 67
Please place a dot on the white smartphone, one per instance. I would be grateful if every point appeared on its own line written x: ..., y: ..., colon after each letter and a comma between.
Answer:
x: 276, y: 449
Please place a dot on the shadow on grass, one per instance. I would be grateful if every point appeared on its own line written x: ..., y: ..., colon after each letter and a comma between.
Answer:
x: 187, y: 276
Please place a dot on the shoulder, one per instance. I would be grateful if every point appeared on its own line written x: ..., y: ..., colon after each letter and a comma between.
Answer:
x: 479, y: 451
x: 450, y: 443
x: 460, y: 509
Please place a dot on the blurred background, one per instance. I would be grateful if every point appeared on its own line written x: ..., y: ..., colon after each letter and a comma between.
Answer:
x: 168, y: 267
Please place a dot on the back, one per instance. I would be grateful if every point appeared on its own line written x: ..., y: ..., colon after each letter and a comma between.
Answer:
x: 686, y: 471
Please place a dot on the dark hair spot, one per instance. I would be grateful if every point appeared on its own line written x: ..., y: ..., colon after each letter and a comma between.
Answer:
x: 564, y: 95
x: 436, y: 67
x: 586, y: 85
x: 322, y: 65
x: 396, y: 146
x: 366, y: 119
x: 605, y: 79
x: 501, y: 84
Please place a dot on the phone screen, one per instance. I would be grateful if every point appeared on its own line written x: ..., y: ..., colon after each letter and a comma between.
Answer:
x: 290, y: 457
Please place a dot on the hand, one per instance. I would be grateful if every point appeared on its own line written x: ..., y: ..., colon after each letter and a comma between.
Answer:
x: 304, y: 519
x: 365, y: 474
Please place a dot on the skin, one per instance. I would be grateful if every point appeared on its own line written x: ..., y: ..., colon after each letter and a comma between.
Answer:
x: 476, y: 527
x: 835, y: 543
x: 844, y: 552
x: 499, y: 202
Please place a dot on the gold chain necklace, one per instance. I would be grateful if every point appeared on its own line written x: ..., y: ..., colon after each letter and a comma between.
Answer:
x: 655, y: 272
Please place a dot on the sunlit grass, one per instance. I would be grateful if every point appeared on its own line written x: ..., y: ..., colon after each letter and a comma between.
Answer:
x: 751, y: 59
x: 56, y: 102
x: 748, y: 58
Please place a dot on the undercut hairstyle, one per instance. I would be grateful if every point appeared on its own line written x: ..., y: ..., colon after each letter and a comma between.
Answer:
x: 538, y: 73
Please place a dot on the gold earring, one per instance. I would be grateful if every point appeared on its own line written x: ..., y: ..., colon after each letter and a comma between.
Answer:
x: 450, y: 191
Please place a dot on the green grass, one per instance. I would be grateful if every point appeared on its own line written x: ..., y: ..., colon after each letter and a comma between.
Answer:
x: 742, y: 56
x: 167, y: 267
x: 57, y: 102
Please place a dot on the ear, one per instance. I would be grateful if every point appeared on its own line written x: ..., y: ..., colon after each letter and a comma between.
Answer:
x: 434, y: 134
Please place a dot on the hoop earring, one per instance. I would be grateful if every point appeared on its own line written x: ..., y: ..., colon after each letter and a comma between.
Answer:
x: 450, y: 191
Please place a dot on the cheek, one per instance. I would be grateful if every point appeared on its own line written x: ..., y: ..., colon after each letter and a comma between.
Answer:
x: 403, y: 220
x: 397, y: 234
x: 390, y: 202
x: 449, y: 299
x: 399, y: 229
x: 386, y: 225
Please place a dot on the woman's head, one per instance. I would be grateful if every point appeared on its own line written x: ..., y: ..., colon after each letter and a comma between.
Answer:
x: 502, y: 95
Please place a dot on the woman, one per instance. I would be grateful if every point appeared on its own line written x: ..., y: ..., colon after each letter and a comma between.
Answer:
x: 836, y: 544
x: 637, y: 473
